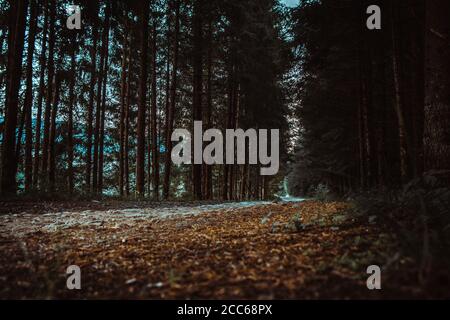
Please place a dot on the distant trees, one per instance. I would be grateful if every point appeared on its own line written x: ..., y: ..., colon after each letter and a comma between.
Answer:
x: 437, y: 84
x: 92, y: 111
x: 379, y: 137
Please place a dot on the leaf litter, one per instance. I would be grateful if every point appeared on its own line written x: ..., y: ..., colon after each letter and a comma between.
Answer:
x: 226, y: 251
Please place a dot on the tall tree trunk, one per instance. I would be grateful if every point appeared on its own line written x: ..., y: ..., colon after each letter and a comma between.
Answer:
x: 154, y: 119
x: 70, y: 145
x: 103, y: 111
x: 127, y: 127
x: 123, y: 107
x: 197, y: 87
x: 29, y: 97
x: 98, y: 106
x: 43, y: 66
x: 228, y: 192
x: 417, y: 85
x: 17, y: 16
x: 207, y: 169
x: 90, y: 107
x: 398, y: 101
x: 52, y: 136
x: 103, y: 105
x: 140, y: 152
x: 171, y: 111
x: 48, y: 102
x: 167, y: 87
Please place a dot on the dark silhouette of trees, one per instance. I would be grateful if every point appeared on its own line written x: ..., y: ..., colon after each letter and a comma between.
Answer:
x: 92, y: 111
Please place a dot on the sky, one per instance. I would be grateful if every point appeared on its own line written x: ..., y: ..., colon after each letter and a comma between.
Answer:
x: 290, y: 3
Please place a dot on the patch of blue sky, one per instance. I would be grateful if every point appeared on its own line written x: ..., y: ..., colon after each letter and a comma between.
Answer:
x: 290, y: 3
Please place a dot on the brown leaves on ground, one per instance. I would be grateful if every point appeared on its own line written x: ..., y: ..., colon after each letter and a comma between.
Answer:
x: 246, y: 253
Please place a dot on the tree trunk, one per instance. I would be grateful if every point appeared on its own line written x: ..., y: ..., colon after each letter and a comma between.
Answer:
x: 207, y: 169
x: 90, y: 107
x: 140, y: 152
x: 52, y: 137
x: 48, y: 102
x: 98, y: 109
x: 103, y: 111
x: 29, y: 97
x: 70, y: 177
x: 17, y: 15
x: 171, y: 111
x: 43, y: 65
x: 154, y: 119
x: 127, y: 127
x: 398, y: 102
x: 123, y: 107
x: 197, y: 87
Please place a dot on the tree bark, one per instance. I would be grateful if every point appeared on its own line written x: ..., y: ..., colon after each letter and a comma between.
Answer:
x: 154, y: 119
x: 140, y: 153
x: 171, y: 111
x: 52, y: 136
x: 398, y: 102
x: 127, y: 127
x: 29, y: 98
x: 123, y: 107
x: 90, y: 107
x: 207, y: 169
x: 48, y: 102
x: 197, y: 87
x: 70, y: 145
x: 98, y: 108
x: 103, y: 111
x: 43, y: 66
x: 18, y: 12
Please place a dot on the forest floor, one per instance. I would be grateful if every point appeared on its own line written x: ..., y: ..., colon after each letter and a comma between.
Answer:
x: 298, y: 250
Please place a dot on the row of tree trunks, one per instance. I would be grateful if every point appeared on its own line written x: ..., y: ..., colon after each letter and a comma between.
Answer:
x: 407, y: 59
x: 437, y: 106
x: 406, y: 69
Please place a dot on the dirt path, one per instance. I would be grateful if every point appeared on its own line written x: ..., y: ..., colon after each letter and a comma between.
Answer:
x: 258, y: 251
x: 24, y: 223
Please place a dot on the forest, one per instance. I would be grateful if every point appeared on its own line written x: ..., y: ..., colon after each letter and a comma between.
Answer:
x: 91, y: 93
x: 101, y: 107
